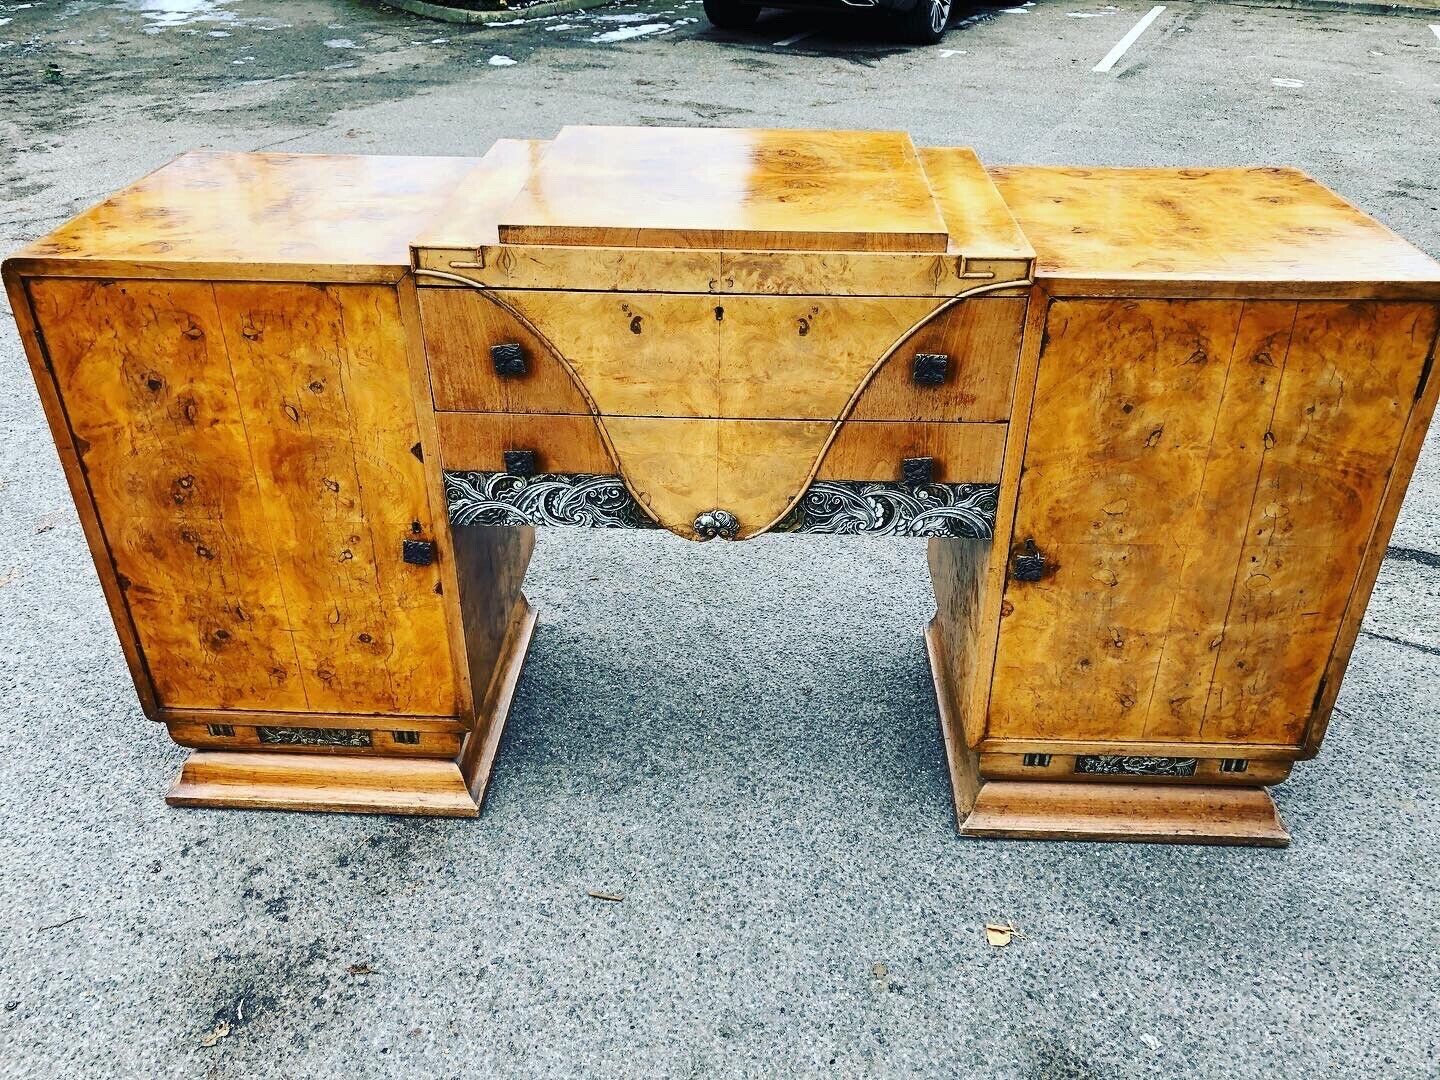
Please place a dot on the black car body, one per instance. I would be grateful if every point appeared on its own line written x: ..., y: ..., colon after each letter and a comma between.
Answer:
x: 920, y: 21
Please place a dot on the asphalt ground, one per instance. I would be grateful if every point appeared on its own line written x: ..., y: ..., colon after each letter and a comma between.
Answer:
x: 739, y: 739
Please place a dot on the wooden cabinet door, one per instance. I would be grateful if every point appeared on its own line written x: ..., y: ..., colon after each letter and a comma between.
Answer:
x: 1202, y: 478
x: 248, y: 450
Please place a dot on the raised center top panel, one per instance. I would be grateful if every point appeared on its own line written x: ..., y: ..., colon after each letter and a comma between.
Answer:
x: 736, y: 188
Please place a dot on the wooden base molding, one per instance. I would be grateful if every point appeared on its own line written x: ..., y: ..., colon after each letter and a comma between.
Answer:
x: 477, y: 756
x: 1164, y: 813
x: 352, y: 784
x: 355, y: 785
x: 1098, y: 808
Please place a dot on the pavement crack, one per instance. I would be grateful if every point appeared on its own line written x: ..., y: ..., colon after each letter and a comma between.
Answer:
x: 1428, y: 650
x: 1415, y: 555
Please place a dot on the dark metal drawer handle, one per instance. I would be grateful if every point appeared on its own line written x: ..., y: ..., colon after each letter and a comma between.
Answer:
x: 1029, y: 562
x: 509, y: 359
x: 521, y: 462
x: 930, y: 368
x: 418, y: 552
x: 918, y: 470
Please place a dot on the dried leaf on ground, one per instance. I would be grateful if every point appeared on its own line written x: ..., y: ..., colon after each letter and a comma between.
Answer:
x: 601, y: 894
x: 221, y: 1030
x: 360, y: 969
x: 999, y: 934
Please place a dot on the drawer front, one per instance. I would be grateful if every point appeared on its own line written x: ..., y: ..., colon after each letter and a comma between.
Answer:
x: 679, y: 469
x: 741, y: 357
x: 634, y: 354
x: 979, y: 341
x: 805, y: 357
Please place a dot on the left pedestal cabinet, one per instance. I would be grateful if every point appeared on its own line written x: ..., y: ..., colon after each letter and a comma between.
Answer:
x: 227, y: 373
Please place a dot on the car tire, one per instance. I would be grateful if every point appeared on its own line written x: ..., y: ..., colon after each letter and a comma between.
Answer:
x: 924, y: 24
x: 731, y: 15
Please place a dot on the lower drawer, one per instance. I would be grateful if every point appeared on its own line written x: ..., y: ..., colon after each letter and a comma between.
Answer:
x: 754, y: 470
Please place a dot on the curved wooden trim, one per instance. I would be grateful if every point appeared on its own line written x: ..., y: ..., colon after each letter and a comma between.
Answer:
x: 864, y: 384
x: 940, y: 309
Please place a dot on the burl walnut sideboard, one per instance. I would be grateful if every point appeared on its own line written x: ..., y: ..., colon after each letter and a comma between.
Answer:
x: 1156, y: 424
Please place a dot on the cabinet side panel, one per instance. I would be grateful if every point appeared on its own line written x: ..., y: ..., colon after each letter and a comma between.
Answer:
x: 325, y: 393
x: 142, y: 370
x: 1345, y: 395
x: 1427, y: 391
x: 957, y: 570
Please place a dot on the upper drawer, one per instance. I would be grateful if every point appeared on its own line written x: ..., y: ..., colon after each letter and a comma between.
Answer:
x: 740, y: 357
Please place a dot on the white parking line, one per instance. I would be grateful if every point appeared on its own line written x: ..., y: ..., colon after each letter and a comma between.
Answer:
x: 793, y: 38
x: 1436, y: 28
x: 1129, y: 39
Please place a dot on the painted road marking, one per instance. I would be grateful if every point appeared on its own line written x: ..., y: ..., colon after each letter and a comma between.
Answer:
x: 1436, y: 28
x: 793, y: 38
x: 1113, y: 56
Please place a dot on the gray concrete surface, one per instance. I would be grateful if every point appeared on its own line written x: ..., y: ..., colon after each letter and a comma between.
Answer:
x: 741, y: 739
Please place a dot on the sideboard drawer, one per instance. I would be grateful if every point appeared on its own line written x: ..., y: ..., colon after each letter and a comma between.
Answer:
x: 679, y: 468
x: 483, y: 358
x: 702, y: 356
x: 806, y: 357
x: 632, y: 354
x: 478, y: 442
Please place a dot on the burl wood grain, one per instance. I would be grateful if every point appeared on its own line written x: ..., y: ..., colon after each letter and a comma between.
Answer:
x: 727, y: 188
x: 978, y: 221
x: 636, y: 354
x: 328, y: 217
x: 752, y: 357
x: 248, y: 449
x: 463, y: 238
x: 683, y: 390
x: 1268, y: 225
x: 1203, y: 477
x: 322, y: 380
x: 460, y: 327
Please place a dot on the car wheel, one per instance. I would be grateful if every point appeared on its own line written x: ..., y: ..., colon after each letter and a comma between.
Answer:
x: 925, y: 23
x: 732, y: 15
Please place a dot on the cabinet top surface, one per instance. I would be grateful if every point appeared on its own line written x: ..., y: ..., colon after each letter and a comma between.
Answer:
x: 741, y: 188
x: 281, y: 210
x: 1237, y: 224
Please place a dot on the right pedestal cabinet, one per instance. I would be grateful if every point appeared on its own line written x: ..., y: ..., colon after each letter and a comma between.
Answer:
x: 1223, y: 390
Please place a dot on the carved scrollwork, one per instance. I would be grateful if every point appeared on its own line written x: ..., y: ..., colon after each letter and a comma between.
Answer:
x: 1119, y: 765
x: 597, y: 502
x: 297, y: 736
x: 828, y: 506
x: 878, y: 509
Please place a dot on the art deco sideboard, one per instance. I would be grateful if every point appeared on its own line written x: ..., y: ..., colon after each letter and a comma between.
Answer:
x: 1156, y: 424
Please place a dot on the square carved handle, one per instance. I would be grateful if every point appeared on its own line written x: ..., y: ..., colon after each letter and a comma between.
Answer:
x: 918, y: 470
x: 509, y: 359
x: 930, y: 368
